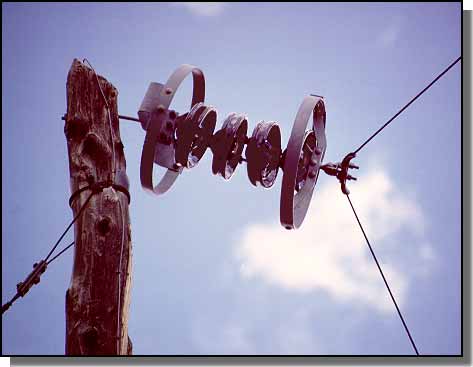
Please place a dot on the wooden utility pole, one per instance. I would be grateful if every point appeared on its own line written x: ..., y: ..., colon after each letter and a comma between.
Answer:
x: 98, y: 299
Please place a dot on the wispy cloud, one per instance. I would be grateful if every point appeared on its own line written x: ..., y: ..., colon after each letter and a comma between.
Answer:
x: 203, y: 9
x: 240, y: 333
x: 391, y: 32
x: 329, y: 252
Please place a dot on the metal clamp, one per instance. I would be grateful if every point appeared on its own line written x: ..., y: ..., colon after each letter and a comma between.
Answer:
x: 32, y: 278
x: 99, y: 186
x: 340, y: 170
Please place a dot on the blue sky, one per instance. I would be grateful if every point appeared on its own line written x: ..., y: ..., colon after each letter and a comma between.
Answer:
x: 213, y: 271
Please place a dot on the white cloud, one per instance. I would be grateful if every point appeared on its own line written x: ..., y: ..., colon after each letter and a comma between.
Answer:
x: 203, y: 9
x: 329, y: 251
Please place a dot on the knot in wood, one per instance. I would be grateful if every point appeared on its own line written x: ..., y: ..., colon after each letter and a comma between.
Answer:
x: 75, y: 128
x: 104, y: 225
x: 90, y: 340
x: 95, y: 147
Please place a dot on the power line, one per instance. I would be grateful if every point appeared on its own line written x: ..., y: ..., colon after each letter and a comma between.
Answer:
x: 408, y: 104
x: 62, y: 251
x: 341, y: 171
x: 384, y: 278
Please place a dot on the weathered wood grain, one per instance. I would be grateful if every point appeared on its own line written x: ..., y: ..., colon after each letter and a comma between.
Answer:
x: 92, y: 297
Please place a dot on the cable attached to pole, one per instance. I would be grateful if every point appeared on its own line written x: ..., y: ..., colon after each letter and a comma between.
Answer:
x: 408, y: 104
x: 69, y: 226
x: 40, y: 267
x: 384, y: 278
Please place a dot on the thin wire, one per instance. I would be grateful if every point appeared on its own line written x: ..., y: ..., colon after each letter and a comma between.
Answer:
x: 112, y: 138
x: 119, y: 331
x: 384, y: 279
x: 129, y: 118
x: 60, y: 253
x: 7, y: 305
x: 69, y: 226
x: 408, y: 104
x: 119, y: 204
